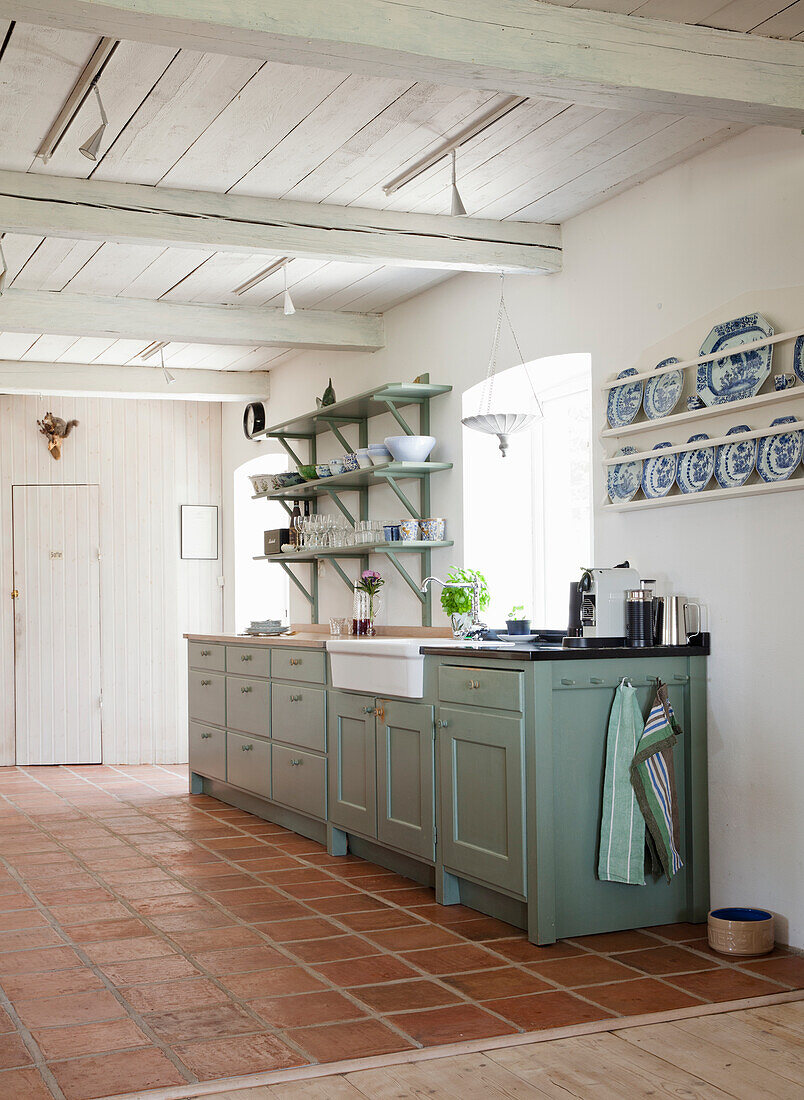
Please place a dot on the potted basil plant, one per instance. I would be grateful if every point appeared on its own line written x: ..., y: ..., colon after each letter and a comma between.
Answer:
x: 516, y: 621
x: 457, y: 602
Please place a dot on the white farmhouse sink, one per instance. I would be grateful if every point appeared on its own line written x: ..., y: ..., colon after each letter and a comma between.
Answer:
x: 382, y: 666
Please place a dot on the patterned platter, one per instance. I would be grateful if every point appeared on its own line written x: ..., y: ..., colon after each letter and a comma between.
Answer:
x: 659, y: 473
x: 623, y: 479
x: 734, y: 462
x: 662, y: 393
x: 624, y: 401
x: 739, y: 375
x: 779, y: 455
x: 695, y: 468
x: 798, y: 358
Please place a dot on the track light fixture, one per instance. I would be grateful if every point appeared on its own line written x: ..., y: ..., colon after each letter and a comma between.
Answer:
x: 261, y: 276
x: 3, y: 266
x: 287, y: 302
x: 168, y: 376
x: 152, y: 349
x: 75, y: 100
x: 457, y: 209
x: 91, y: 146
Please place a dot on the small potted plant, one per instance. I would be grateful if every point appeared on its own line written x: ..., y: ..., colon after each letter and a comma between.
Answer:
x: 369, y: 586
x: 457, y: 602
x: 516, y: 621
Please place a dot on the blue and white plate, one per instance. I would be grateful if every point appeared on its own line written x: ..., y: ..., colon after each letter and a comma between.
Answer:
x: 734, y: 462
x: 623, y: 479
x: 778, y: 455
x: 798, y: 358
x: 659, y: 473
x: 739, y: 375
x: 695, y: 468
x: 624, y: 401
x: 662, y: 393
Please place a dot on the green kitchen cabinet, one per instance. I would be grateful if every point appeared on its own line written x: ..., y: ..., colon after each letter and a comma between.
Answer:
x: 352, y: 802
x: 405, y: 777
x: 482, y: 820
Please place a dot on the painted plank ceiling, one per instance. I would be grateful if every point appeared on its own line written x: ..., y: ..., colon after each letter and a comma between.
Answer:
x: 770, y: 18
x: 178, y: 118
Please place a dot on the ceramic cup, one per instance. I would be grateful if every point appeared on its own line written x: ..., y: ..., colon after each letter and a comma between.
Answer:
x: 409, y: 530
x: 363, y: 458
x: 350, y: 461
x: 694, y: 402
x: 337, y: 466
x: 390, y: 532
x: 323, y: 470
x: 379, y: 453
x: 433, y: 530
x: 783, y: 381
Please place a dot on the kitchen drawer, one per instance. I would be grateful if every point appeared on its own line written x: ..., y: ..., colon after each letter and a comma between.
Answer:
x: 207, y: 655
x: 640, y: 671
x: 249, y: 660
x: 208, y: 697
x: 480, y: 687
x: 207, y: 751
x: 298, y: 716
x: 247, y: 705
x: 299, y: 780
x: 248, y: 764
x: 306, y: 665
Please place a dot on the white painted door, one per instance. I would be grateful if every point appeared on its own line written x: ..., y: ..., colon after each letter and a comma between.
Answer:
x: 57, y: 624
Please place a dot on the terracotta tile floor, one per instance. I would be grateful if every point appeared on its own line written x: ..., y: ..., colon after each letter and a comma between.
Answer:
x: 152, y: 938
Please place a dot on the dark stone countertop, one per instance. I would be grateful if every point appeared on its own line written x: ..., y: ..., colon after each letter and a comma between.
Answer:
x: 536, y: 652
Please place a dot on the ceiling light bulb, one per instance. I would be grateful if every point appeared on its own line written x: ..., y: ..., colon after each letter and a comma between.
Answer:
x: 288, y: 306
x: 168, y: 376
x: 457, y: 209
x: 91, y: 146
x: 3, y: 267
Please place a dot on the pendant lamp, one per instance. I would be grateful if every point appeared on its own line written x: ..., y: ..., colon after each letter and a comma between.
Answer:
x: 502, y: 424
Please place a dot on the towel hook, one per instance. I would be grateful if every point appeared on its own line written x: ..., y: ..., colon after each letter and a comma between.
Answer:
x: 625, y: 680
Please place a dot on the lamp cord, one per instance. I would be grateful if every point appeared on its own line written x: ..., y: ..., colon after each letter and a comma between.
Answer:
x: 502, y: 311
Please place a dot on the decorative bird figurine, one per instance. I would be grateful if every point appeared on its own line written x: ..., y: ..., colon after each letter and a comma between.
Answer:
x: 329, y: 395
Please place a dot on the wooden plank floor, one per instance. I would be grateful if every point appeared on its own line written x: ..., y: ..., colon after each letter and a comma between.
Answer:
x: 746, y: 1055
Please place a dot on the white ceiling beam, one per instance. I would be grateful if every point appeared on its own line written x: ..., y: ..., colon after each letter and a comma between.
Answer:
x: 94, y: 380
x: 133, y: 318
x: 79, y: 209
x: 528, y: 49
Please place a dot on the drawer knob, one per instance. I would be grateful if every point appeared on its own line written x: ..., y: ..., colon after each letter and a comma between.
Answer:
x: 295, y: 763
x: 246, y: 748
x: 442, y: 723
x: 368, y: 710
x: 245, y: 656
x: 295, y: 660
x: 204, y: 736
x: 205, y: 683
x: 596, y: 680
x: 379, y: 712
x: 206, y: 652
x: 566, y: 682
x: 295, y: 698
x: 473, y: 684
x: 245, y: 690
x: 681, y: 679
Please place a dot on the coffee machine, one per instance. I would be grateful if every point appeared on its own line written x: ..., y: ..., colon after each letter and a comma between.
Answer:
x: 597, y: 606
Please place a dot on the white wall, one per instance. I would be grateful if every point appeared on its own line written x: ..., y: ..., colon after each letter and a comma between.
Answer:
x: 645, y: 275
x: 148, y: 457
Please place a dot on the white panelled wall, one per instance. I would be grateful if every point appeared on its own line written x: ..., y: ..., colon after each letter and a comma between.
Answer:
x: 148, y: 458
x: 649, y: 269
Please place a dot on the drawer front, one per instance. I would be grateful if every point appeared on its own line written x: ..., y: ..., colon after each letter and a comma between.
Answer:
x: 606, y: 673
x: 248, y: 764
x: 249, y: 660
x: 299, y: 715
x: 307, y: 665
x: 248, y: 705
x: 207, y: 655
x: 207, y: 751
x: 208, y: 697
x: 299, y: 780
x: 476, y: 686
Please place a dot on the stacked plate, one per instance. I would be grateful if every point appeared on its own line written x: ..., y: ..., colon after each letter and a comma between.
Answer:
x: 266, y: 626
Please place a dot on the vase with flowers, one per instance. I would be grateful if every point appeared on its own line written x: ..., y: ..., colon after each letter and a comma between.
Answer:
x: 367, y: 602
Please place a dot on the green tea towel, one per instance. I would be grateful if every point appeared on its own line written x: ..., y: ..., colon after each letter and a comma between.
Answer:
x: 654, y: 782
x: 622, y: 827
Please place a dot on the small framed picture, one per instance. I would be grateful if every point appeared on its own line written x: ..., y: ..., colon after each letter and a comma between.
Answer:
x: 199, y: 531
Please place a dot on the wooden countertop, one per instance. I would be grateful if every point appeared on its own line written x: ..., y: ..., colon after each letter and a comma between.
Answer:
x: 302, y: 639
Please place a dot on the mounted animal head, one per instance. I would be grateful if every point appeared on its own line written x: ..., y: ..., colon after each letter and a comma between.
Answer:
x: 54, y: 429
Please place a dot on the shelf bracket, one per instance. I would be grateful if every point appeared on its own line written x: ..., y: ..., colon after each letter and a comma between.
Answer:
x: 307, y: 595
x: 341, y: 573
x: 397, y: 415
x: 340, y: 505
x: 412, y: 509
x: 286, y: 506
x: 282, y: 439
x: 406, y: 577
x: 332, y: 424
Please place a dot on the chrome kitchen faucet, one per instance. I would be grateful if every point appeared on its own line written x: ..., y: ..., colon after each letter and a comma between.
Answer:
x: 477, y: 628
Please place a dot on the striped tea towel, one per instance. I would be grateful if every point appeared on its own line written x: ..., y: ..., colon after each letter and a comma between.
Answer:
x: 654, y: 782
x: 622, y: 827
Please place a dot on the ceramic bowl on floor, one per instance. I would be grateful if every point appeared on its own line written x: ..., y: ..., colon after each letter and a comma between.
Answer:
x: 410, y: 448
x: 740, y: 931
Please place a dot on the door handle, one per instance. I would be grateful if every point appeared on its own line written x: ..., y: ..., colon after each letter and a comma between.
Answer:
x: 368, y: 710
x: 245, y: 690
x: 205, y: 683
x: 442, y: 723
x: 246, y: 748
x: 204, y: 736
x: 295, y: 698
x: 15, y: 594
x: 206, y: 652
x: 379, y: 712
x: 295, y: 660
x: 245, y: 656
x: 295, y: 763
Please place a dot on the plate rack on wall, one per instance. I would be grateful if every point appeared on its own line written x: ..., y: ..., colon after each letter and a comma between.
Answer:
x: 776, y: 401
x: 355, y: 412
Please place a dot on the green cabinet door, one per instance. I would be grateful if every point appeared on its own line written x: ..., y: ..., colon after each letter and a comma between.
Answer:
x: 482, y: 829
x: 352, y: 803
x: 405, y: 805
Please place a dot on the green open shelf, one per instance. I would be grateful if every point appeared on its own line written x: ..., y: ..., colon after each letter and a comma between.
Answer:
x: 354, y: 479
x: 354, y: 551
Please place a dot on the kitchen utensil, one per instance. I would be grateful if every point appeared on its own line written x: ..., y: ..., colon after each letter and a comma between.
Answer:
x: 337, y: 466
x: 350, y: 461
x: 734, y: 462
x: 410, y: 448
x: 363, y: 458
x: 390, y: 532
x: 694, y: 402
x: 623, y: 479
x: 659, y: 473
x: 675, y: 625
x: 409, y: 530
x: 695, y: 468
x: 379, y: 453
x: 624, y: 401
x: 307, y: 472
x: 778, y: 456
x: 662, y: 393
x: 433, y: 530
x: 738, y: 374
x: 639, y: 617
x: 783, y: 381
x: 323, y: 470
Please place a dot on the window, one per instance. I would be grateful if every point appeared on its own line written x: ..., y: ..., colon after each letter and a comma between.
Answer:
x: 528, y: 516
x: 261, y: 590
